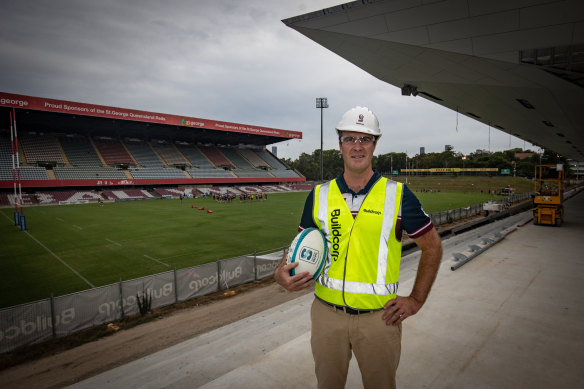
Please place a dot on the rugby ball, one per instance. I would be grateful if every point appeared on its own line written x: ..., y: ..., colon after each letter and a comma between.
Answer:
x: 309, y: 249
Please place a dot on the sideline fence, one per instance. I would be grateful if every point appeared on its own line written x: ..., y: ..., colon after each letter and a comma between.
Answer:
x: 446, y: 217
x: 35, y: 322
x: 32, y: 323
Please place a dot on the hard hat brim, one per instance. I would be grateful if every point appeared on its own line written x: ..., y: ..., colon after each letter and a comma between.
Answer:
x: 357, y: 128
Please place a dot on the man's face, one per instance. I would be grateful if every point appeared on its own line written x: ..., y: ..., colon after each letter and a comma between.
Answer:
x: 357, y: 155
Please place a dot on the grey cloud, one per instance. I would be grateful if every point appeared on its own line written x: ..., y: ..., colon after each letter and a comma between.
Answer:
x: 227, y: 60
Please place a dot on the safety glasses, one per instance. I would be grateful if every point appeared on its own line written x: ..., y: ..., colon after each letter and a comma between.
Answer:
x: 351, y: 140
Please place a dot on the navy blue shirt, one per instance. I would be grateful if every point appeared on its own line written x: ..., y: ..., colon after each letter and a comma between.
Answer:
x: 411, y: 218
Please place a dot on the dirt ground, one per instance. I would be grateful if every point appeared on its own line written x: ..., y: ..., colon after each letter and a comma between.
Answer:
x: 59, y: 368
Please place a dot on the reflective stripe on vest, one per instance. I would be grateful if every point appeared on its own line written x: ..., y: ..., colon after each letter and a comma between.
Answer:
x: 356, y: 272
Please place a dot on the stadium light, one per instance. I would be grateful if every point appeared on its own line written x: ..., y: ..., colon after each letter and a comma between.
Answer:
x: 321, y: 102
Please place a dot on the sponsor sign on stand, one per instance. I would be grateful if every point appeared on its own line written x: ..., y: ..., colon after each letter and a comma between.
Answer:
x: 61, y: 106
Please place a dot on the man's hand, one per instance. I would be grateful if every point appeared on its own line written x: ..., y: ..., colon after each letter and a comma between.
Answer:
x: 292, y: 283
x: 400, y: 308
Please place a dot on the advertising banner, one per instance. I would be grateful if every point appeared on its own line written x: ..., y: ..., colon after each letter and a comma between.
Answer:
x: 159, y: 288
x: 31, y: 323
x: 25, y: 324
x: 236, y: 271
x: 266, y: 264
x: 451, y: 170
x: 197, y: 281
x: 61, y: 106
x: 158, y: 181
x: 83, y: 310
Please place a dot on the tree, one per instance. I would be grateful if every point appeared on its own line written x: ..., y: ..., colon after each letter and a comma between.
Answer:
x: 385, y: 162
x: 306, y: 165
x: 287, y: 161
x: 309, y: 164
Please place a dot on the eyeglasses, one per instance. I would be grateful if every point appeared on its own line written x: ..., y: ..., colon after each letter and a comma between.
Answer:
x: 351, y: 140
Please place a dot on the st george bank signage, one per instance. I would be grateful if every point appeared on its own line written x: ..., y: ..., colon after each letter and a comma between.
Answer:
x: 61, y: 106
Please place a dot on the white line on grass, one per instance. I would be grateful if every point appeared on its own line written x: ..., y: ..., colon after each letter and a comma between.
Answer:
x: 112, y: 242
x: 56, y: 256
x: 156, y: 260
x: 59, y: 219
x: 76, y: 226
x: 60, y: 260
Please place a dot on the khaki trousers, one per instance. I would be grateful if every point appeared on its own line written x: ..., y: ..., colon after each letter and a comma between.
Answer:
x: 336, y: 335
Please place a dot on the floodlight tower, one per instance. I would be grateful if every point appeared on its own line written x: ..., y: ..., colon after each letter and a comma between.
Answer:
x: 321, y: 102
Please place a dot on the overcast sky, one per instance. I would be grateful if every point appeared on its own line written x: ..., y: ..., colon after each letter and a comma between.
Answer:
x: 216, y: 59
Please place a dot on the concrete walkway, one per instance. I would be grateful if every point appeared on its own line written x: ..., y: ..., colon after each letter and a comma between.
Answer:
x: 511, y: 318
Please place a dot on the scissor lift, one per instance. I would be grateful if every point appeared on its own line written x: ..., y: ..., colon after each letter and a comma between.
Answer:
x: 549, y: 195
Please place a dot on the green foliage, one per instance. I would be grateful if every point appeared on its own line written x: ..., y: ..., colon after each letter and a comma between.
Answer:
x: 144, y: 301
x: 385, y: 163
x: 309, y: 164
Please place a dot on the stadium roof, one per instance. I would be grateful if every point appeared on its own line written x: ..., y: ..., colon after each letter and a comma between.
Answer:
x: 50, y: 115
x: 517, y: 66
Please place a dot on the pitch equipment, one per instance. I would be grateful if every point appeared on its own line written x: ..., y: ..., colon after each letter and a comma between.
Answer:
x: 309, y: 249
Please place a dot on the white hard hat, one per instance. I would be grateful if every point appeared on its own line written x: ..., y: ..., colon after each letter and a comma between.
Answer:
x: 359, y: 119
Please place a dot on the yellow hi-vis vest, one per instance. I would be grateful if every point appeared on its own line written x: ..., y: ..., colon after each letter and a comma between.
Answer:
x: 362, y: 267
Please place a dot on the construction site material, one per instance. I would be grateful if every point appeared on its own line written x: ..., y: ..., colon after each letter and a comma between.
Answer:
x: 549, y: 195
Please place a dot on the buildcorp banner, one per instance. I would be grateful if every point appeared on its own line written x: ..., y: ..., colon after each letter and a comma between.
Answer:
x: 197, y: 281
x: 25, y: 324
x: 32, y: 323
x: 86, y: 309
x: 266, y: 264
x: 159, y: 289
x: 236, y: 271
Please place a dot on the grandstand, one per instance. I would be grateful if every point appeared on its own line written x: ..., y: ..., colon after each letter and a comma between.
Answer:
x: 113, y: 152
x: 103, y: 152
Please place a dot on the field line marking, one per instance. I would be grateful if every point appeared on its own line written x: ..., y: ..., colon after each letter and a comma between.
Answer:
x: 56, y: 256
x: 59, y: 219
x: 76, y: 226
x: 156, y: 260
x: 60, y: 260
x: 112, y: 242
x: 9, y: 219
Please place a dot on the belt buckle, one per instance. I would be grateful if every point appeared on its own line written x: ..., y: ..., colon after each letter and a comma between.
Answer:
x: 336, y: 307
x: 351, y: 311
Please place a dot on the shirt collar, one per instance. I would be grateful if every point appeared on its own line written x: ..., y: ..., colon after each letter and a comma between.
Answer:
x: 344, y: 188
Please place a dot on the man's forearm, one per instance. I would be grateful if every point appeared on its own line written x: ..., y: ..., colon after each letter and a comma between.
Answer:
x: 431, y: 247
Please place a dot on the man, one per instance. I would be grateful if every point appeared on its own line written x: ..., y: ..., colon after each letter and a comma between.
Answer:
x: 356, y: 307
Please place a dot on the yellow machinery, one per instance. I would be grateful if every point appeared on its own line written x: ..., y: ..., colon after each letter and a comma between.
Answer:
x: 549, y: 195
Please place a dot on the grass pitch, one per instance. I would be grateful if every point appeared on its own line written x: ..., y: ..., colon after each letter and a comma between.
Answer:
x: 74, y: 247
x: 70, y: 248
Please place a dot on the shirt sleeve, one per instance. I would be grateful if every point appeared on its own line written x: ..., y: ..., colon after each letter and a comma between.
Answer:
x: 414, y: 220
x: 307, y: 220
